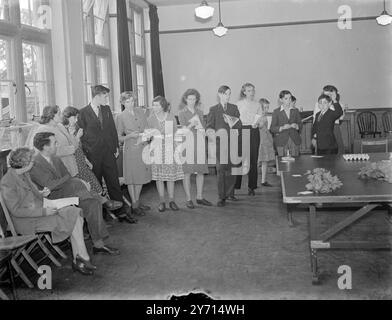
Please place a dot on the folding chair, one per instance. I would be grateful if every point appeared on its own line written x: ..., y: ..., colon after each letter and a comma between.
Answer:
x: 24, y: 254
x: 368, y: 143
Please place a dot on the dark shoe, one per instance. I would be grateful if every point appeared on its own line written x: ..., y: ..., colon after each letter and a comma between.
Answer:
x: 232, y: 198
x: 144, y: 208
x: 190, y: 205
x: 112, y: 205
x: 204, y: 202
x: 106, y: 250
x: 127, y: 219
x: 173, y: 206
x: 266, y: 184
x: 221, y: 203
x: 88, y: 264
x: 162, y: 207
x: 81, y: 267
x: 251, y: 192
x: 138, y: 212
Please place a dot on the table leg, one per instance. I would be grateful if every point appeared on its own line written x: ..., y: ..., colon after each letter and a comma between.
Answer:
x: 12, y: 279
x: 313, y: 251
x: 389, y: 208
x: 290, y: 216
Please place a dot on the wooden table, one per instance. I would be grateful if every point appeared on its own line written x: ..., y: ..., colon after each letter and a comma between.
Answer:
x: 365, y: 194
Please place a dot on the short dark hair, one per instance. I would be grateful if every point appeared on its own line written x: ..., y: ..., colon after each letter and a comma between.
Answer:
x: 163, y: 102
x: 283, y: 93
x: 48, y: 114
x: 42, y: 139
x: 20, y: 158
x: 293, y: 99
x: 326, y: 97
x: 68, y: 113
x: 223, y: 89
x: 99, y: 89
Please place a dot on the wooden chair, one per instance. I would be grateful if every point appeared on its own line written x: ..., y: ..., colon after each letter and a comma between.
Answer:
x: 367, y: 124
x: 374, y: 143
x: 24, y: 254
x: 387, y: 122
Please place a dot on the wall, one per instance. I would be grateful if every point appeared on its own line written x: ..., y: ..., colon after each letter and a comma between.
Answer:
x: 301, y: 58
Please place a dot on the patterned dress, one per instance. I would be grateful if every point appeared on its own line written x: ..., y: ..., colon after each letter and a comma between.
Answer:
x: 166, y: 168
x: 266, y: 151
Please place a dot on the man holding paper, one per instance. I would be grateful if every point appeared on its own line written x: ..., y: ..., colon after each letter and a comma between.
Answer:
x: 218, y: 121
x: 49, y: 171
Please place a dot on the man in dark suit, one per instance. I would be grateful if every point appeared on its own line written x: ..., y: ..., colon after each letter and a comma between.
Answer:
x: 323, y: 136
x: 101, y: 146
x: 217, y: 121
x: 53, y: 178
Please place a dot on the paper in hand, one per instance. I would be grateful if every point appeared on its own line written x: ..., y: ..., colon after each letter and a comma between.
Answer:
x: 231, y: 121
x: 61, y: 203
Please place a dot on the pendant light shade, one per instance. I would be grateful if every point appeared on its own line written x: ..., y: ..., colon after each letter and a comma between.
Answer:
x: 220, y: 30
x: 384, y: 18
x: 204, y: 11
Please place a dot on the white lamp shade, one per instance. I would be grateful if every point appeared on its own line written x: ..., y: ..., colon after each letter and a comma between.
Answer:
x: 204, y: 11
x: 220, y: 30
x: 384, y: 19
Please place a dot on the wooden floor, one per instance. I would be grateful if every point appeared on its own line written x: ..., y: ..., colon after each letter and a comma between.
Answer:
x: 243, y: 251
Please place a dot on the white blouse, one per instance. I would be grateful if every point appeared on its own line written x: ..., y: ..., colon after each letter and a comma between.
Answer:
x: 248, y: 111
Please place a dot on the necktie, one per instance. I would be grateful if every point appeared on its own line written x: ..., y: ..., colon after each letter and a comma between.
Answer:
x: 320, y: 116
x: 100, y: 116
x: 225, y: 107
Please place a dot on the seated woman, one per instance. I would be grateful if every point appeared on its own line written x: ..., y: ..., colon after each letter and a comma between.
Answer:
x: 25, y: 203
x: 286, y: 125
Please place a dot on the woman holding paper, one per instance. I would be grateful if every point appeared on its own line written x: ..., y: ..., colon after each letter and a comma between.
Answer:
x: 191, y: 117
x: 131, y: 123
x: 25, y: 203
x: 250, y: 111
x: 164, y: 166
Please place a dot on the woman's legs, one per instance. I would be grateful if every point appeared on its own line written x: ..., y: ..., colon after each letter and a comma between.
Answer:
x: 134, y: 192
x: 187, y: 186
x: 77, y: 240
x: 199, y: 186
x: 161, y: 191
x: 264, y: 167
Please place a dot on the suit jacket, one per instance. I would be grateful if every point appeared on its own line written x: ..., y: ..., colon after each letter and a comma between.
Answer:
x: 23, y: 201
x: 57, y: 179
x: 97, y: 138
x: 324, y: 128
x: 216, y: 122
x: 279, y: 119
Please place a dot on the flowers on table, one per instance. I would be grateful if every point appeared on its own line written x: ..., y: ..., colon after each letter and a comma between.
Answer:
x: 322, y: 181
x: 377, y: 170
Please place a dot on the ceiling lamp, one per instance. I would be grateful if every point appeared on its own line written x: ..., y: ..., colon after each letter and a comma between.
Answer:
x: 204, y: 11
x: 384, y: 18
x: 220, y: 30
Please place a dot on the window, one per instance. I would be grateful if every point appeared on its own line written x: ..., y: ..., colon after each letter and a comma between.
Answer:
x: 25, y: 66
x: 7, y: 88
x: 4, y: 10
x: 97, y: 49
x: 137, y: 43
x: 35, y: 79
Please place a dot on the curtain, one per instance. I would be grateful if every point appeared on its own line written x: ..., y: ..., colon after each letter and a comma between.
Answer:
x: 101, y: 8
x: 87, y: 5
x: 157, y: 76
x: 124, y: 49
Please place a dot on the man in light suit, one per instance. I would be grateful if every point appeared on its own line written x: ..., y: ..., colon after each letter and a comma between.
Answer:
x: 100, y: 144
x: 216, y: 121
x: 50, y: 174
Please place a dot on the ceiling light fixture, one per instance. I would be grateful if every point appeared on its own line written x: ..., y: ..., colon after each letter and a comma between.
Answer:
x: 220, y: 30
x: 204, y: 11
x: 384, y: 18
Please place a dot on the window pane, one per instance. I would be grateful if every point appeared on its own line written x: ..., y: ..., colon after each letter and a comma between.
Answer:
x: 89, y: 76
x: 101, y: 28
x: 138, y: 33
x: 31, y: 15
x: 87, y: 28
x: 7, y: 89
x: 102, y: 71
x: 4, y: 10
x: 140, y: 84
x: 35, y: 79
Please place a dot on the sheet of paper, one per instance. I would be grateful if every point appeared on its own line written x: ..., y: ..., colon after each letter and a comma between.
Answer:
x: 297, y: 175
x: 232, y: 121
x: 61, y: 203
x: 317, y: 157
x: 305, y: 193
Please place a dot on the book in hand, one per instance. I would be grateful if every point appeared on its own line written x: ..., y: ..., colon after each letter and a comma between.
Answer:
x: 231, y: 121
x: 196, y: 122
x: 61, y: 203
x: 257, y: 118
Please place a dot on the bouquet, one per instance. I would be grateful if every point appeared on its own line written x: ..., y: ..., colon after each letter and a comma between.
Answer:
x: 322, y: 181
x: 377, y: 170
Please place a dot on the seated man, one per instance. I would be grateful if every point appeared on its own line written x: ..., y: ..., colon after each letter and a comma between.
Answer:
x: 25, y: 203
x: 50, y: 174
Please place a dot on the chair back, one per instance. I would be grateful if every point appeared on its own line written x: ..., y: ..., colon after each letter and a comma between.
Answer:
x: 374, y: 143
x: 387, y: 121
x: 367, y: 122
x: 7, y: 216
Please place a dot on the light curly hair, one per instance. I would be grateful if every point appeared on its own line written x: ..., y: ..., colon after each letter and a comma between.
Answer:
x: 20, y: 158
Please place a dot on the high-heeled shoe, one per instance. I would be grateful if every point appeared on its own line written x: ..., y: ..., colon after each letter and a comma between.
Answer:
x: 173, y: 206
x: 81, y: 267
x: 88, y: 263
x: 162, y: 207
x: 251, y: 192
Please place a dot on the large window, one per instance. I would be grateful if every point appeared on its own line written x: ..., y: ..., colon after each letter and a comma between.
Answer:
x: 25, y: 60
x: 97, y: 44
x: 137, y: 42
